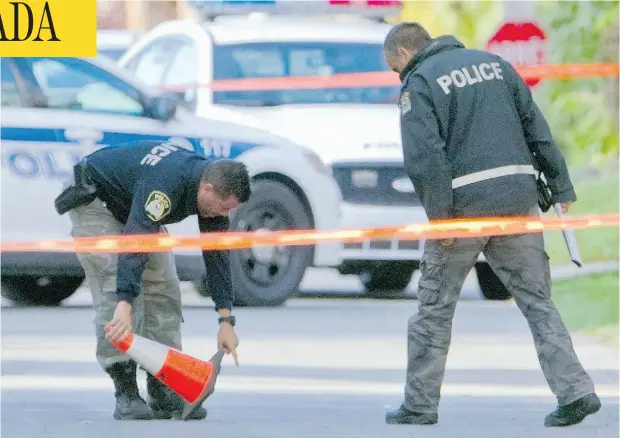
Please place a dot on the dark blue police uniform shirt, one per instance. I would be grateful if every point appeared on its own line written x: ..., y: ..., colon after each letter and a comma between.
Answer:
x: 150, y: 184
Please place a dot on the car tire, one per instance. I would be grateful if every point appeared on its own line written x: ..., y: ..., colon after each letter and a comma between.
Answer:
x: 388, y: 279
x: 202, y: 287
x: 268, y: 276
x: 491, y: 286
x: 29, y: 290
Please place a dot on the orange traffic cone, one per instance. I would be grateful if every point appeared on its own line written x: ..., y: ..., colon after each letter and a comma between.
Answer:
x: 192, y: 379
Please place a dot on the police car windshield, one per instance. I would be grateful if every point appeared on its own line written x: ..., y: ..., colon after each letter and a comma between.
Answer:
x: 289, y: 59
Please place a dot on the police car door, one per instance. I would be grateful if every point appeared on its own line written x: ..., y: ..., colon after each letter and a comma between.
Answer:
x: 79, y: 107
x: 26, y: 154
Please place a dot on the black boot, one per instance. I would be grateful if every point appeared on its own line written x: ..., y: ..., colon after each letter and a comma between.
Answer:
x: 129, y: 404
x: 402, y: 415
x: 573, y: 413
x: 166, y: 404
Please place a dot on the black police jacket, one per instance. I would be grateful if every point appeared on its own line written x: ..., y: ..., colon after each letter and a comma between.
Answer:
x: 150, y: 184
x: 470, y: 132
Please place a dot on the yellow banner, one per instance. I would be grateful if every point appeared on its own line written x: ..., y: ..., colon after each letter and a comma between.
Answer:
x: 63, y: 28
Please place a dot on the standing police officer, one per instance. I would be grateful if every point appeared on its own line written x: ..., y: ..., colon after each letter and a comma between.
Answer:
x: 137, y: 189
x: 470, y: 131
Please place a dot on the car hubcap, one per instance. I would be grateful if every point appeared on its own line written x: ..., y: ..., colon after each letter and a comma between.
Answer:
x: 265, y: 264
x: 263, y: 253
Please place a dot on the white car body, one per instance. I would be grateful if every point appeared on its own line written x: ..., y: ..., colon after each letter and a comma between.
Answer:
x: 41, y: 144
x: 358, y: 137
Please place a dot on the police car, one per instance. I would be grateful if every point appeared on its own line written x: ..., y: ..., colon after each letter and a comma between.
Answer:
x: 113, y: 42
x: 56, y: 110
x: 354, y: 129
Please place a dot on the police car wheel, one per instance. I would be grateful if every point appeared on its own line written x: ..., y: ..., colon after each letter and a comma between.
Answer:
x: 388, y: 279
x: 30, y: 290
x: 491, y: 286
x: 202, y: 286
x: 269, y: 275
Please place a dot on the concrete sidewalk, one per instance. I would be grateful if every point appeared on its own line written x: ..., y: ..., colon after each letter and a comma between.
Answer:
x: 323, y: 283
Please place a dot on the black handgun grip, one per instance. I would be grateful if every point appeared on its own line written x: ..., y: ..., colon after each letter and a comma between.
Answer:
x: 83, y: 192
x: 544, y: 195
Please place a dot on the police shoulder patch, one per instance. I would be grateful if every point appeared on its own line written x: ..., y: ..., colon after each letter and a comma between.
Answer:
x: 405, y: 103
x: 157, y: 205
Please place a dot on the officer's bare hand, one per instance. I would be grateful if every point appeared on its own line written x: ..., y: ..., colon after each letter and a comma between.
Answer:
x: 566, y: 206
x: 228, y: 341
x: 120, y: 326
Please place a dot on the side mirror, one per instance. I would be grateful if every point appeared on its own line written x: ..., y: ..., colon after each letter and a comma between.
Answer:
x: 185, y: 98
x: 179, y: 96
x: 164, y: 107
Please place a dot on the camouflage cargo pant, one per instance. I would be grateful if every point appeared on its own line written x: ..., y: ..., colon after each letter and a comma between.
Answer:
x: 521, y: 263
x: 156, y: 313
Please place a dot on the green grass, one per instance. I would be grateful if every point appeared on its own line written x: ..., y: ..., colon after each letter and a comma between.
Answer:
x: 589, y: 304
x: 595, y: 244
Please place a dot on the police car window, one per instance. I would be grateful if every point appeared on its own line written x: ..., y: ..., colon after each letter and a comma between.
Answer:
x: 289, y: 59
x: 184, y: 68
x: 309, y: 63
x: 151, y: 64
x: 184, y: 72
x: 9, y: 94
x: 253, y: 63
x: 70, y: 88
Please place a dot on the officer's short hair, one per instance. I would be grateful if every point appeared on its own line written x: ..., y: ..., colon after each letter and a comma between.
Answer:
x: 409, y: 35
x: 228, y: 177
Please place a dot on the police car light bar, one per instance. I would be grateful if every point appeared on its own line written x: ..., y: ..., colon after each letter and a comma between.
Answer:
x: 367, y: 8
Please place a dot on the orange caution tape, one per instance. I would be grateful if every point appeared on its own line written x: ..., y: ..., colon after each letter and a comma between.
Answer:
x: 389, y: 79
x: 235, y: 240
x: 568, y: 71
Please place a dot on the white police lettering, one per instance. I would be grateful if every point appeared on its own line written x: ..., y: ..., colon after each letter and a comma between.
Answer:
x: 157, y: 153
x: 181, y: 142
x: 470, y: 76
x: 217, y: 148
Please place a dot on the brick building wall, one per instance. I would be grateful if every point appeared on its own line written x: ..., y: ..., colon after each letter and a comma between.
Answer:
x: 110, y: 14
x: 138, y: 15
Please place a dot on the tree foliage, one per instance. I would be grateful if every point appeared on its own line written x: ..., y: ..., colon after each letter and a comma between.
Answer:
x: 582, y: 112
x: 470, y: 21
x: 473, y: 22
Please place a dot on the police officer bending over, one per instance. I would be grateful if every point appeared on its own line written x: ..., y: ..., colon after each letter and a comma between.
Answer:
x: 471, y: 134
x: 137, y: 189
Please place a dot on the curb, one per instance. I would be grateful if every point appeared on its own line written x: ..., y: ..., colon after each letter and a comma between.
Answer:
x: 571, y: 271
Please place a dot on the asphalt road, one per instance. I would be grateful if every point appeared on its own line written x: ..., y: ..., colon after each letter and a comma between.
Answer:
x: 317, y: 283
x: 313, y: 368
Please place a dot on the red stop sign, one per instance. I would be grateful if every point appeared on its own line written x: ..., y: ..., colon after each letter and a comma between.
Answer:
x: 520, y: 44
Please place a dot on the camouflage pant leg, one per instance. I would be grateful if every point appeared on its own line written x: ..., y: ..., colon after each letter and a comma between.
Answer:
x: 156, y: 312
x: 443, y: 272
x: 100, y: 269
x: 162, y: 300
x: 521, y: 263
